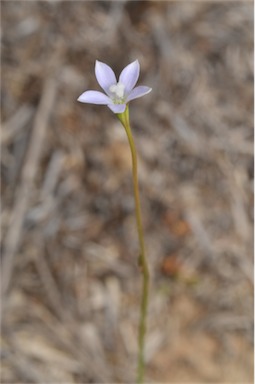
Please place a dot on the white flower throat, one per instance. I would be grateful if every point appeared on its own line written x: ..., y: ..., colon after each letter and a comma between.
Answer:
x: 118, y: 92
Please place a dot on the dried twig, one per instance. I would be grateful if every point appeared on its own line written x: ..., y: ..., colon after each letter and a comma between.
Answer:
x: 16, y: 123
x: 27, y: 178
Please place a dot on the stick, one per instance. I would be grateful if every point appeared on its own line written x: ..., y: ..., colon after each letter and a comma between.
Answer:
x: 28, y: 174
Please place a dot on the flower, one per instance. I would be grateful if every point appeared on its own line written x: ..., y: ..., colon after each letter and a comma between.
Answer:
x: 118, y: 94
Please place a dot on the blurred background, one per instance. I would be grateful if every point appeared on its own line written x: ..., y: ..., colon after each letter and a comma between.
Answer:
x: 71, y: 285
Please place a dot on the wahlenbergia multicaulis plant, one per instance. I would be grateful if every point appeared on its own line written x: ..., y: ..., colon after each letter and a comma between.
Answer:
x: 117, y: 96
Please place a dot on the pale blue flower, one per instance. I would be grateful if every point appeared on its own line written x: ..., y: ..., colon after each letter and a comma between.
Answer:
x: 118, y: 94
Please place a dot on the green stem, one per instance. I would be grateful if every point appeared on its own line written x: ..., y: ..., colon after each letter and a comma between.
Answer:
x: 124, y: 118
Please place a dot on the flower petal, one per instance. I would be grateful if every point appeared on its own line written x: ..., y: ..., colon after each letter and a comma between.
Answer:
x: 117, y: 108
x: 94, y: 97
x: 129, y: 76
x: 139, y: 91
x: 105, y: 76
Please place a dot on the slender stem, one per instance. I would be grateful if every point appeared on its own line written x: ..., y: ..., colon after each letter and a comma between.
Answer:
x: 124, y: 118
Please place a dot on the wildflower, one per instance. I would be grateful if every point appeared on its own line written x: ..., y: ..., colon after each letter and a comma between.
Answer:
x: 118, y: 94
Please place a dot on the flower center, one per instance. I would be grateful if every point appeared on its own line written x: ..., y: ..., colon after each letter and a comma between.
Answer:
x: 118, y: 92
